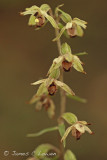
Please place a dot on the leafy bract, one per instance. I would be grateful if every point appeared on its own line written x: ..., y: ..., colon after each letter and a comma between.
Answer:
x: 70, y: 118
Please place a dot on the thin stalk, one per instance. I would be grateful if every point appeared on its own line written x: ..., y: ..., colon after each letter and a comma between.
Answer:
x: 62, y: 92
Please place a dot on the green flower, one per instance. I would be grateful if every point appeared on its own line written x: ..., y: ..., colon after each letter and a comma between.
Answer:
x: 38, y: 16
x: 66, y: 61
x: 73, y: 28
x: 77, y: 128
x: 49, y: 87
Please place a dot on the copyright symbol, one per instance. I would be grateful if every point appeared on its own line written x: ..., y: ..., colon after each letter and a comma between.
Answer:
x: 6, y: 153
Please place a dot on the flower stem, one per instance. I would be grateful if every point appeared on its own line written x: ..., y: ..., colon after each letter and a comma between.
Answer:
x: 62, y: 92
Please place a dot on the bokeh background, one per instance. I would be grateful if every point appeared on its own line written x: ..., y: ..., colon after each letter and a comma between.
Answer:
x: 26, y: 55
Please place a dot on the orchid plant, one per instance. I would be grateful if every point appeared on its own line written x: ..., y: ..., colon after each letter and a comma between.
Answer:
x: 64, y: 25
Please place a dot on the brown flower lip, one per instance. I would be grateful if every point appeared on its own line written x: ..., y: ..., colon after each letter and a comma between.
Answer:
x: 66, y: 65
x: 41, y: 20
x: 52, y: 89
x: 72, y: 31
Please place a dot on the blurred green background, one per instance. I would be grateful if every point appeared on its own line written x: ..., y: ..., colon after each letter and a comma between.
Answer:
x: 26, y: 55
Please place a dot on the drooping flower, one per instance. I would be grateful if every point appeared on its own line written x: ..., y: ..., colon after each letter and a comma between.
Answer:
x: 74, y: 27
x: 77, y: 128
x: 39, y: 16
x: 67, y: 60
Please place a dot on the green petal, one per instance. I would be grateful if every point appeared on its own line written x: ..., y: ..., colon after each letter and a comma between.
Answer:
x: 70, y: 117
x: 80, y: 31
x: 80, y: 22
x: 60, y: 34
x: 32, y: 20
x: 69, y: 155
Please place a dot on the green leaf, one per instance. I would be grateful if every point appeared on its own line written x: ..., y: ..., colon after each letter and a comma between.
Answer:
x: 50, y: 19
x: 32, y: 20
x: 45, y: 7
x: 44, y: 149
x: 65, y: 48
x: 80, y: 22
x: 60, y: 34
x: 65, y: 16
x: 43, y: 132
x: 61, y: 128
x: 38, y: 82
x: 77, y: 64
x: 76, y: 98
x: 70, y: 117
x: 69, y: 155
x: 80, y: 31
x: 64, y: 87
x: 69, y: 129
x: 81, y: 54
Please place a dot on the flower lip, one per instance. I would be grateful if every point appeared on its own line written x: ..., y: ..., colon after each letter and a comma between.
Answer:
x: 40, y: 18
x: 52, y: 89
x: 66, y: 65
x: 72, y: 31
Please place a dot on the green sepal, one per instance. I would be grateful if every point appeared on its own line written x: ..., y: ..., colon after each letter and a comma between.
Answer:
x: 50, y: 19
x: 65, y: 87
x: 45, y: 7
x: 77, y: 64
x: 65, y: 48
x: 69, y: 118
x: 65, y: 16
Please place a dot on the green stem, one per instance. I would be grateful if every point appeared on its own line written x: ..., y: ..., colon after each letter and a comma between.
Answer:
x: 62, y: 92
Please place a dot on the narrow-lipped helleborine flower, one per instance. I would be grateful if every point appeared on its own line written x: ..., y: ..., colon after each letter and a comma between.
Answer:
x: 45, y: 102
x: 77, y: 128
x: 74, y: 27
x: 50, y: 85
x: 39, y: 16
x: 67, y: 60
